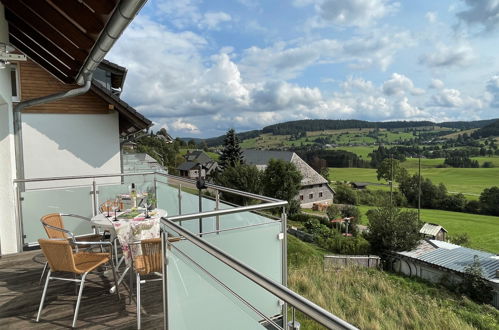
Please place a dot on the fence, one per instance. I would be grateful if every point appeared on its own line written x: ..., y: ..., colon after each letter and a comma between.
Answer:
x: 338, y: 261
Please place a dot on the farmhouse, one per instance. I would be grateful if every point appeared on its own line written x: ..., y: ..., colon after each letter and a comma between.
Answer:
x: 438, y: 261
x: 314, y: 188
x: 190, y: 168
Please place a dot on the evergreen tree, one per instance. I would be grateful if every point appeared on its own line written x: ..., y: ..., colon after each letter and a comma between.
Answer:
x: 231, y: 151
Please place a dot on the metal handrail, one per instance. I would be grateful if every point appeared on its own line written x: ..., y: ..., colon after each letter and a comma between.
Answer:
x: 207, y: 214
x: 306, y: 306
x: 178, y: 178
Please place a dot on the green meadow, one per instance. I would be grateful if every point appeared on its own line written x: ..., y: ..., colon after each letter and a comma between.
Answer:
x: 468, y: 181
x: 483, y: 230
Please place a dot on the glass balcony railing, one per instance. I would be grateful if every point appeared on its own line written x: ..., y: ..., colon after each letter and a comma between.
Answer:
x: 227, y: 271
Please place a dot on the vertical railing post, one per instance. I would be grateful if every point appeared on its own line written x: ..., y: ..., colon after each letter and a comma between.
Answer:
x: 180, y: 201
x: 164, y: 268
x: 217, y: 207
x: 94, y: 192
x: 19, y: 210
x: 284, y: 228
x: 155, y: 187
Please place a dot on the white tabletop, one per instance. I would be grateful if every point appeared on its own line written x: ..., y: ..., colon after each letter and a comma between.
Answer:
x: 101, y: 221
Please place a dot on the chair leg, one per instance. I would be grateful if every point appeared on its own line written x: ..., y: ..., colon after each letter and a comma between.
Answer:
x: 82, y: 284
x: 43, y: 295
x: 138, y: 300
x: 116, y: 284
x: 43, y: 272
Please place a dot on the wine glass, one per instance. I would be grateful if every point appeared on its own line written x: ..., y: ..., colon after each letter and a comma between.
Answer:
x: 107, y: 205
x: 146, y: 205
x: 115, y: 207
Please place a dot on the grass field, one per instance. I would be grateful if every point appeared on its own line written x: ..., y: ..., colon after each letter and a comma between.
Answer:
x: 469, y: 181
x: 483, y: 230
x: 361, y: 151
x: 373, y: 299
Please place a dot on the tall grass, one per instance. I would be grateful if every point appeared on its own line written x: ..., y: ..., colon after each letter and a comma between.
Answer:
x: 373, y: 299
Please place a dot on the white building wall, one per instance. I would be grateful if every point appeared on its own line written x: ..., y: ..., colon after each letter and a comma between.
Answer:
x: 57, y: 145
x: 8, y: 229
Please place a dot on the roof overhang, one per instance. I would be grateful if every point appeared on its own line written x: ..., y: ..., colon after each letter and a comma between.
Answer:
x: 130, y: 120
x: 69, y: 38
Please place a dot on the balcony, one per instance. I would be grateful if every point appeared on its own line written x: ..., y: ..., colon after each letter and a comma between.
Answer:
x: 226, y: 270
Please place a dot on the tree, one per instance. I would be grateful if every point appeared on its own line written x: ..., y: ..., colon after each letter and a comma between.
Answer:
x: 231, y: 151
x: 345, y: 195
x: 489, y: 201
x: 391, y: 229
x: 474, y: 285
x: 388, y: 166
x: 282, y: 180
x: 241, y: 177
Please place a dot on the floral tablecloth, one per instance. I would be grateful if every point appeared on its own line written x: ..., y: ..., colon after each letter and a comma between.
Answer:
x: 130, y: 231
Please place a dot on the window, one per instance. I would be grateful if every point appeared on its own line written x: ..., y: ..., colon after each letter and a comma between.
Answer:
x: 320, y: 193
x: 310, y: 196
x: 301, y: 197
x: 14, y: 79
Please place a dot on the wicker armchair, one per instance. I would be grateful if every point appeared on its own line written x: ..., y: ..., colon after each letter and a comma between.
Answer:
x: 53, y: 224
x: 149, y: 262
x: 61, y: 258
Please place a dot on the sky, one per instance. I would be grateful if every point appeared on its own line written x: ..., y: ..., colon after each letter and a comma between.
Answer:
x: 198, y: 68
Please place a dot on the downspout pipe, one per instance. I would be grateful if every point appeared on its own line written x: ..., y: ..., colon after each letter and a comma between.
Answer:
x: 122, y: 16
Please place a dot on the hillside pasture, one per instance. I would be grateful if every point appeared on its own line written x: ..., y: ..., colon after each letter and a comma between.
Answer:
x: 468, y: 181
x: 374, y: 299
x: 483, y: 230
x: 361, y: 151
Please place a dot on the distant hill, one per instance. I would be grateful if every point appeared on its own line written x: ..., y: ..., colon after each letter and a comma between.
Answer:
x: 310, y: 125
x: 467, y: 124
x: 293, y: 127
x: 486, y: 131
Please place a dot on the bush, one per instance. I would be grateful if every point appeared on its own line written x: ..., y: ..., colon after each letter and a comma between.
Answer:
x: 460, y: 239
x: 472, y: 207
x: 488, y: 165
x: 345, y: 195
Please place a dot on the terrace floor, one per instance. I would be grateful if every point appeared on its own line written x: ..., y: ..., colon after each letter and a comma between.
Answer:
x: 20, y: 295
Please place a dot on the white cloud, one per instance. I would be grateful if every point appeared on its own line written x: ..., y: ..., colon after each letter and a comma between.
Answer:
x: 400, y: 84
x: 436, y: 84
x: 453, y: 98
x: 212, y: 20
x: 445, y: 56
x: 357, y: 84
x: 374, y: 49
x: 431, y: 16
x: 484, y: 13
x: 182, y: 126
x: 186, y: 13
x: 359, y: 13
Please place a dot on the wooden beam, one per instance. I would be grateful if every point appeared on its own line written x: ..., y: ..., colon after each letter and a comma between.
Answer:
x: 41, y: 61
x: 49, y: 47
x: 58, y: 21
x: 102, y: 7
x: 67, y: 70
x: 35, y: 26
x: 80, y: 13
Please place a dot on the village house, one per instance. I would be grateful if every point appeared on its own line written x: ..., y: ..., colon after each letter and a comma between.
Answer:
x: 314, y: 188
x: 190, y: 168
